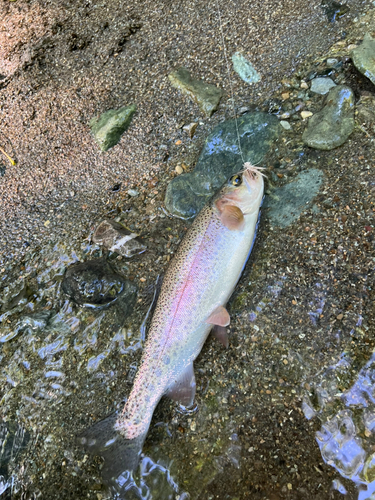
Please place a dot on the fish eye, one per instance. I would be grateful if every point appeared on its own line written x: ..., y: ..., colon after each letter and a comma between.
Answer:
x: 236, y: 180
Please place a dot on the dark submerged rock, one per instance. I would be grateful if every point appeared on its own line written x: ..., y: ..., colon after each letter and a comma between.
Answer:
x: 95, y: 283
x: 290, y: 200
x: 331, y: 127
x: 221, y: 158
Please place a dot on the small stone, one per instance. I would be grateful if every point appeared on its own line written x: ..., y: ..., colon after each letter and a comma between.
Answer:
x: 47, y: 223
x: 339, y: 316
x: 285, y: 95
x: 285, y: 115
x: 178, y: 142
x: 331, y: 62
x: 193, y: 426
x: 290, y: 487
x: 285, y: 361
x: 330, y: 127
x: 322, y: 85
x: 206, y: 95
x: 190, y: 129
x: 363, y: 57
x: 304, y: 85
x: 179, y: 169
x: 133, y: 192
x: 306, y: 114
x: 244, y: 68
x: 117, y: 238
x: 286, y: 125
x: 109, y: 127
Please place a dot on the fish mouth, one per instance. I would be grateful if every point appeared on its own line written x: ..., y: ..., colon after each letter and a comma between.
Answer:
x: 253, y: 177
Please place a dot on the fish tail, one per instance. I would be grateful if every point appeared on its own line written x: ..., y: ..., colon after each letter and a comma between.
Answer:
x: 120, y: 454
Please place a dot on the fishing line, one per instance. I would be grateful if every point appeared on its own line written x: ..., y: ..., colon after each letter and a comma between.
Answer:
x: 229, y: 78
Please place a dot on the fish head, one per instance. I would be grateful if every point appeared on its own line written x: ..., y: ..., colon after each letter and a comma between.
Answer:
x: 243, y: 190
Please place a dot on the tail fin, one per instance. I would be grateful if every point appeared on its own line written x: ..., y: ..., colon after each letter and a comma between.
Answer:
x: 120, y: 454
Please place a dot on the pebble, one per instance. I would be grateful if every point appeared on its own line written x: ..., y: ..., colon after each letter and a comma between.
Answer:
x: 304, y: 85
x: 363, y: 57
x: 133, y: 192
x: 109, y: 127
x: 286, y: 125
x: 306, y: 114
x: 244, y: 68
x: 331, y: 62
x: 206, y: 95
x: 322, y: 85
x: 179, y: 169
x: 330, y: 127
x: 190, y: 129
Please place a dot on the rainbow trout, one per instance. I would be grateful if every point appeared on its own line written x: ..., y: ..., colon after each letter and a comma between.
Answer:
x: 197, y: 285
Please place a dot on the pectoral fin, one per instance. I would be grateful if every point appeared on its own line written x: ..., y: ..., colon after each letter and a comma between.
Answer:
x: 220, y: 333
x: 220, y: 316
x: 232, y: 218
x: 183, y: 388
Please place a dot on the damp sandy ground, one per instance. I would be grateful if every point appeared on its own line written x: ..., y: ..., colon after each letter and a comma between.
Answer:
x: 302, y: 315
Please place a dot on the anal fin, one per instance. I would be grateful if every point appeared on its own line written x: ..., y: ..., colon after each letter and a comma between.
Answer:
x: 183, y: 388
x: 220, y: 333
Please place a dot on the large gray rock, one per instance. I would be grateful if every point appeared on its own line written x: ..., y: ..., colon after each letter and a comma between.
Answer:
x: 330, y: 127
x: 109, y: 127
x: 364, y: 57
x: 221, y: 158
x: 206, y: 95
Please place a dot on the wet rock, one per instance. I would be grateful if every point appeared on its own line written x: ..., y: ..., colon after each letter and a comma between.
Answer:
x: 322, y: 85
x: 363, y: 57
x: 206, y: 95
x: 95, y: 283
x: 117, y: 238
x: 221, y: 158
x: 330, y: 127
x: 109, y: 127
x: 244, y: 68
x: 287, y: 203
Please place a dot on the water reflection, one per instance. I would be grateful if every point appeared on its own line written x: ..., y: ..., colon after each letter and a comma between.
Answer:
x: 346, y: 438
